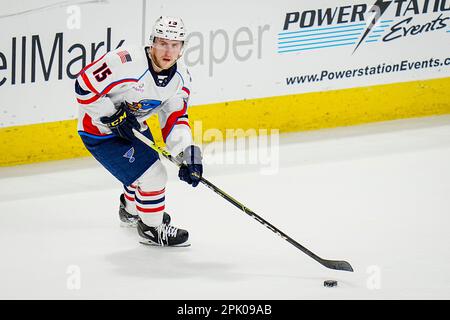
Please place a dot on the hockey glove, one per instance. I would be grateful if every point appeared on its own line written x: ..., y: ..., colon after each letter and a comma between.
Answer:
x: 122, y: 123
x: 191, y: 169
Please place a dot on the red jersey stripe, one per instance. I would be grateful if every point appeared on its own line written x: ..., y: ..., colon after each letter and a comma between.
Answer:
x: 183, y: 122
x: 171, y: 121
x: 88, y: 101
x: 89, y: 127
x: 186, y: 90
x: 128, y: 197
x: 105, y: 91
x: 88, y: 83
x: 91, y: 64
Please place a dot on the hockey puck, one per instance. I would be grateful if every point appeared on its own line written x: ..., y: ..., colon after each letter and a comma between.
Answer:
x: 330, y: 283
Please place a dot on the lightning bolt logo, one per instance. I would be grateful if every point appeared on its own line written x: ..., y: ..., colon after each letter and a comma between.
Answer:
x: 379, y: 8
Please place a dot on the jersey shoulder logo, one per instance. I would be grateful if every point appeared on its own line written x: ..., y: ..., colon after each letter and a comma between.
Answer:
x: 145, y: 104
x: 124, y: 56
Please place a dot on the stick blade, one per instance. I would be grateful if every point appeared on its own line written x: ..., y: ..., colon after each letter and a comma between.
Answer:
x: 337, y: 265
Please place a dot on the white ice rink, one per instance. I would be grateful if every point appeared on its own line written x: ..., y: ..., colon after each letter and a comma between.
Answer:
x: 375, y: 195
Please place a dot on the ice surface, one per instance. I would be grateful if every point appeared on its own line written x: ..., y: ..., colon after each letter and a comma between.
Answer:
x: 375, y: 195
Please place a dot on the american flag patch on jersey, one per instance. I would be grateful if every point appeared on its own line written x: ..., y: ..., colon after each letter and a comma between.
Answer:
x: 124, y: 56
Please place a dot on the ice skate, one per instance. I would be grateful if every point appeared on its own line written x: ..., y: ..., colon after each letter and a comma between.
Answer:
x: 163, y: 235
x: 126, y: 219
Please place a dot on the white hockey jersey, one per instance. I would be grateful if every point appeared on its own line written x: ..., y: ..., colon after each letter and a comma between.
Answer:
x: 126, y: 75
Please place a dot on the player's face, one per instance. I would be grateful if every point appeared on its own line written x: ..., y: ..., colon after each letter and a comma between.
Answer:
x: 166, y: 52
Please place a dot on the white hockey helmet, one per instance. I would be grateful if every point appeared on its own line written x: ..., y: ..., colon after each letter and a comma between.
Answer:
x: 170, y: 28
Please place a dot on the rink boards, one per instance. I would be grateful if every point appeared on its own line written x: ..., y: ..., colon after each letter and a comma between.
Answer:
x: 59, y: 140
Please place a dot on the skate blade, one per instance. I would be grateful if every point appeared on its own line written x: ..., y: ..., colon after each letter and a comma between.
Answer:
x: 128, y: 224
x: 153, y: 244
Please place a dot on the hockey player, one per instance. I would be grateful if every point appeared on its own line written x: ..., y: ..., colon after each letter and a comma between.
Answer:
x: 117, y: 93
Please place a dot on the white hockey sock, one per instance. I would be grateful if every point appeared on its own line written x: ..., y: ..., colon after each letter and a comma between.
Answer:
x: 129, y: 193
x: 150, y: 206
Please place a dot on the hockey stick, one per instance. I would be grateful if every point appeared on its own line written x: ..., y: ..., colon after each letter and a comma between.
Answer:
x: 331, y: 264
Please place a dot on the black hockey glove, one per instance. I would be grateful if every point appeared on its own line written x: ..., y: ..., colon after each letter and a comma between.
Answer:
x: 122, y: 123
x: 191, y: 169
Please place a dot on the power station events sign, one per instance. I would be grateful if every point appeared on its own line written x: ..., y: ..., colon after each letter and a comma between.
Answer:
x: 355, y: 24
